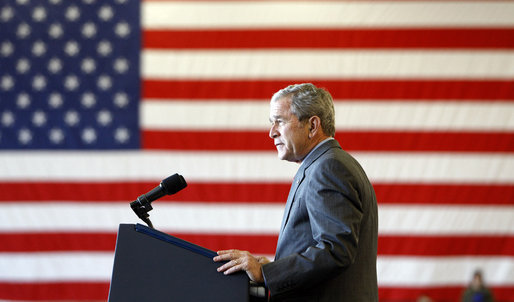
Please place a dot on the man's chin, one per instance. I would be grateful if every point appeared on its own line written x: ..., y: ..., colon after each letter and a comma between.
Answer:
x: 284, y: 156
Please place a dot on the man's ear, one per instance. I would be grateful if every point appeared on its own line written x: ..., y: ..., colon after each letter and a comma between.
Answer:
x: 314, y: 125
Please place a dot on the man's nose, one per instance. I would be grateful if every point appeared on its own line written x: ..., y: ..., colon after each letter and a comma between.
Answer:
x: 273, y: 132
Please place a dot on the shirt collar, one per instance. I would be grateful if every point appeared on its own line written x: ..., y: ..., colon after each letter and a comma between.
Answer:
x: 316, y: 147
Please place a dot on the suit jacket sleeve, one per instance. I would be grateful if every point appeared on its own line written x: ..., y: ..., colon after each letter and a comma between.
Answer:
x: 323, y: 229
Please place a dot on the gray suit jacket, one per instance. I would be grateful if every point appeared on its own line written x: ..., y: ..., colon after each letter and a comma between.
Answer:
x: 327, y: 247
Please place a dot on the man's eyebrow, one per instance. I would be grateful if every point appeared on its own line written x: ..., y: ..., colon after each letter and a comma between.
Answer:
x: 275, y: 117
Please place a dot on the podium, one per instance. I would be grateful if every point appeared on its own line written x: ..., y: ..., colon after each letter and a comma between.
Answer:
x: 153, y: 266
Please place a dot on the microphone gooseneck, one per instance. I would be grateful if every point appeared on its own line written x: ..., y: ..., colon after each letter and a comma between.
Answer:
x: 168, y: 186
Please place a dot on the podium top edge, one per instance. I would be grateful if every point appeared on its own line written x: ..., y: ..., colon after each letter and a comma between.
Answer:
x: 174, y: 240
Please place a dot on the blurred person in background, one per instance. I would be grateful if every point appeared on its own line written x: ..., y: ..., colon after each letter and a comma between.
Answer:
x: 477, y: 291
x: 424, y: 298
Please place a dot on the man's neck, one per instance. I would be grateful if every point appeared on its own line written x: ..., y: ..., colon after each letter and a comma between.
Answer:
x: 319, y: 143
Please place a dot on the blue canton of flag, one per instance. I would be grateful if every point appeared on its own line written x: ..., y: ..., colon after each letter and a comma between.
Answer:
x: 69, y: 74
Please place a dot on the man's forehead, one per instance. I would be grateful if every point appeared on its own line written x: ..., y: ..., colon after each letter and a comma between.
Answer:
x: 287, y: 98
x: 279, y: 110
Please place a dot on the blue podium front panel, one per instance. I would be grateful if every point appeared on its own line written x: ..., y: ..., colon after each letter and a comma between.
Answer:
x: 153, y: 266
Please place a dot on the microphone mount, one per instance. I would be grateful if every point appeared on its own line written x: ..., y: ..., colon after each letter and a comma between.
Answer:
x: 142, y: 205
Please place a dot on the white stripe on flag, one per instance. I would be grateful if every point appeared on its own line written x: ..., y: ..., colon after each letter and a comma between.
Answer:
x: 333, y: 14
x: 253, y: 115
x: 248, y: 166
x: 326, y: 64
x: 392, y: 271
x: 443, y: 271
x: 245, y: 218
x: 56, y: 266
x: 425, y: 220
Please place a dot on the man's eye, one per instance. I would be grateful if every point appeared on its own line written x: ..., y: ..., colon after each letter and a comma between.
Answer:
x: 277, y: 122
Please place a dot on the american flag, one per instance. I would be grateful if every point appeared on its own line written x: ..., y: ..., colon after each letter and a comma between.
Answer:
x: 100, y: 100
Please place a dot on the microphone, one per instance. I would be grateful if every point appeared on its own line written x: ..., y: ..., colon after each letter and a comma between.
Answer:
x: 168, y: 186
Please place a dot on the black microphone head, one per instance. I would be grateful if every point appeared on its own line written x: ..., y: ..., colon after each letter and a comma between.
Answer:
x: 173, y: 184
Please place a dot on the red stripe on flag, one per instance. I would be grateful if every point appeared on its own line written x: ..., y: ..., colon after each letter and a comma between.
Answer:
x: 55, y: 291
x: 387, y: 193
x: 440, y: 193
x: 424, y: 245
x: 388, y: 245
x: 56, y: 241
x: 98, y: 291
x: 440, y: 294
x: 129, y: 191
x: 371, y: 89
x: 85, y: 241
x: 426, y: 38
x: 393, y: 141
x: 207, y: 140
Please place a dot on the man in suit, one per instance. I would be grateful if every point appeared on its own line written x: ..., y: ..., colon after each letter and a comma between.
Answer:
x: 327, y: 246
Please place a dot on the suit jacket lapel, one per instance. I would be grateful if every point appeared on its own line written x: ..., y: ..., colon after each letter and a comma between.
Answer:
x: 290, y: 198
x: 298, y: 178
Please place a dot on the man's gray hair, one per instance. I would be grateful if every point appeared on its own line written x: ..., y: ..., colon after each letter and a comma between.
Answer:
x: 308, y: 100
